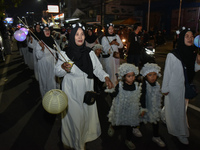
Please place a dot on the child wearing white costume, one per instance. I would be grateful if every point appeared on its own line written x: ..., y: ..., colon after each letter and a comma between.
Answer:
x: 151, y: 99
x: 125, y: 109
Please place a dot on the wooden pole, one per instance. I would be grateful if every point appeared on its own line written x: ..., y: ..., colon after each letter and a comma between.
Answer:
x: 179, y: 15
x: 148, y: 16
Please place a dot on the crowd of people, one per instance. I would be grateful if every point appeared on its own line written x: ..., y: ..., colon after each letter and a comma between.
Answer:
x: 83, y: 61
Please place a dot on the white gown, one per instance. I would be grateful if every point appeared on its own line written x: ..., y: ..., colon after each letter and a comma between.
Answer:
x: 30, y: 61
x: 111, y: 64
x: 24, y: 52
x: 173, y: 82
x: 46, y: 64
x: 81, y: 123
x: 35, y: 60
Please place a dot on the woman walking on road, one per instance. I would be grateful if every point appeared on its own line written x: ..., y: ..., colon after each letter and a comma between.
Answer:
x: 173, y: 85
x: 80, y: 124
x: 111, y: 42
x: 46, y: 61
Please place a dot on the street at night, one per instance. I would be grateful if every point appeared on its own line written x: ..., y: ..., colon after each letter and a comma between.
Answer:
x: 93, y: 74
x: 26, y: 125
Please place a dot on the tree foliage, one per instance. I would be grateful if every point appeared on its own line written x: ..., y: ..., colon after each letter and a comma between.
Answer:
x: 5, y: 4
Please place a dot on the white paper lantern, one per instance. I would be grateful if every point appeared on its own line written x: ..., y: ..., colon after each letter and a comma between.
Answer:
x: 55, y: 101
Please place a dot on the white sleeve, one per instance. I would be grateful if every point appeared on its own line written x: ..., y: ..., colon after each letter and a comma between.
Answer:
x: 58, y: 69
x: 31, y: 45
x: 105, y: 44
x: 167, y: 73
x: 98, y: 69
x: 39, y: 53
x: 196, y: 67
x: 119, y: 41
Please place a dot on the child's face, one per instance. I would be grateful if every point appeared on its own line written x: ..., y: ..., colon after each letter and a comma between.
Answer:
x: 130, y: 78
x: 98, y: 52
x: 64, y: 39
x: 152, y: 77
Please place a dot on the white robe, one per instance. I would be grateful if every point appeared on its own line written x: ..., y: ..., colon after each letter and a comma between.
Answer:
x: 35, y: 60
x: 46, y: 64
x: 24, y: 52
x: 30, y: 61
x: 81, y: 123
x: 173, y: 82
x: 111, y: 64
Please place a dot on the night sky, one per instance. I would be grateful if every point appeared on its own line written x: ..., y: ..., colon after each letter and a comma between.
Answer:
x: 28, y: 6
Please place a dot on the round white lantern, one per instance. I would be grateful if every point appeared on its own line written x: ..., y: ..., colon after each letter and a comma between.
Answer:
x: 55, y: 101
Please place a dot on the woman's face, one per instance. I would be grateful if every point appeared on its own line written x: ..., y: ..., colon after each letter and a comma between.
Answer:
x: 111, y: 30
x: 47, y: 32
x: 37, y: 28
x: 89, y: 32
x: 189, y: 38
x: 152, y: 77
x: 79, y: 37
x: 130, y: 78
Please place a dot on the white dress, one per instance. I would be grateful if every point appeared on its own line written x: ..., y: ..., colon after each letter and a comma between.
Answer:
x: 24, y: 51
x: 125, y: 109
x: 153, y: 103
x: 173, y: 82
x: 46, y: 64
x: 80, y: 124
x: 111, y: 64
x: 30, y: 61
x: 35, y: 60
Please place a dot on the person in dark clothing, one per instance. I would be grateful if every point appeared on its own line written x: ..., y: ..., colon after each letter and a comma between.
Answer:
x: 5, y: 37
x: 134, y: 45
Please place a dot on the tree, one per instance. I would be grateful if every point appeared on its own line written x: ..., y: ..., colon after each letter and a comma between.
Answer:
x: 8, y: 4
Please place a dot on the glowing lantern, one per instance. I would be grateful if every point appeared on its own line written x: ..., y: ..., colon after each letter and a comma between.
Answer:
x: 19, y: 35
x: 55, y: 101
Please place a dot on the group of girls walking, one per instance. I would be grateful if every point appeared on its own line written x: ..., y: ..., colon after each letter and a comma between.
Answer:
x: 135, y: 100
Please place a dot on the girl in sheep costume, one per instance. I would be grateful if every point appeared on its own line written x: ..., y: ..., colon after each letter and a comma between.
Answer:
x: 125, y: 109
x: 151, y: 99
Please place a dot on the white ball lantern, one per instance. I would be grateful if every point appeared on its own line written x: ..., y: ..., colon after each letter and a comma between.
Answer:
x: 55, y: 101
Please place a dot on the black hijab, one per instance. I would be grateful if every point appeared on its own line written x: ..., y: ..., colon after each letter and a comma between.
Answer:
x: 79, y: 54
x: 92, y: 38
x: 107, y: 33
x: 48, y: 40
x: 186, y: 54
x: 37, y: 34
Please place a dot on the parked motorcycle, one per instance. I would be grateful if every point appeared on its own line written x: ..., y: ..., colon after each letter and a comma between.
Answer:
x: 148, y: 53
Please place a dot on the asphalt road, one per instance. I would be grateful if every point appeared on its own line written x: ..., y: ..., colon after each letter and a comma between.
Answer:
x: 25, y: 125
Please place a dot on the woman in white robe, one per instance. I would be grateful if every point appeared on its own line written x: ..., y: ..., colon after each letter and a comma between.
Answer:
x: 80, y: 124
x: 111, y: 42
x: 91, y: 39
x: 46, y: 62
x: 173, y: 85
x: 33, y: 43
